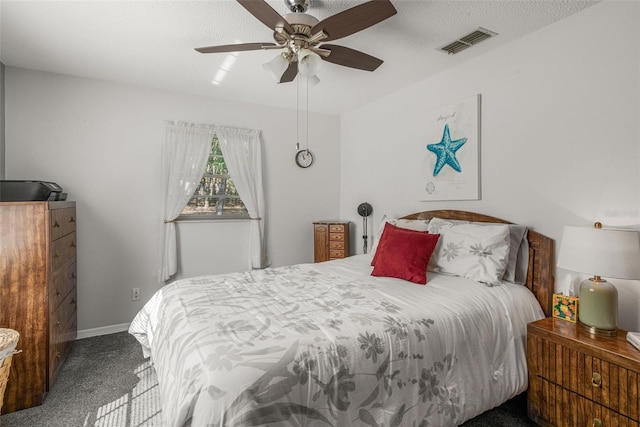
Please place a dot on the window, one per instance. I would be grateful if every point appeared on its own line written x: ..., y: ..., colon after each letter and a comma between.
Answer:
x: 216, y: 197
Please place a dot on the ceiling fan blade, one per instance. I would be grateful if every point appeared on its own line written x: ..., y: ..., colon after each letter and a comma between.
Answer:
x: 266, y: 14
x: 239, y: 47
x: 351, y: 58
x: 290, y: 73
x: 355, y: 19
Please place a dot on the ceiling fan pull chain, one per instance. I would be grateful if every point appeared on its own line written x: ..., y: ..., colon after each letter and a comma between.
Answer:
x: 307, y: 113
x: 298, y: 115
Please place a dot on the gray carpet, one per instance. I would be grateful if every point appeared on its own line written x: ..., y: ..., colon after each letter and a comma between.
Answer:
x: 106, y: 382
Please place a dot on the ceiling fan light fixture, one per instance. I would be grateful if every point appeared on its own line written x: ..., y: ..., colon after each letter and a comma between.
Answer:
x: 312, y: 81
x: 276, y: 67
x: 308, y: 63
x: 299, y: 31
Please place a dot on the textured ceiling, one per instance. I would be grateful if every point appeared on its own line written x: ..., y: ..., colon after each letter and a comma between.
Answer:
x: 151, y: 43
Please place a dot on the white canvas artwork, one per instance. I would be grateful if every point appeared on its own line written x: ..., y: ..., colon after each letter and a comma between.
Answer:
x: 451, y: 152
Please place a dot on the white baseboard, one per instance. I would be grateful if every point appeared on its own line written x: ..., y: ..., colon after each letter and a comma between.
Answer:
x: 104, y: 330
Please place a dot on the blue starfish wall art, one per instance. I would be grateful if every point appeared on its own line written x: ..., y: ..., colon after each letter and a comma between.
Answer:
x: 445, y: 151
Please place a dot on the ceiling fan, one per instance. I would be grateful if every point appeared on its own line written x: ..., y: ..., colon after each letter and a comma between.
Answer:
x: 303, y: 36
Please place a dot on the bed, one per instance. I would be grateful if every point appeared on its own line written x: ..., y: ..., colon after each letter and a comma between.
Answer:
x: 330, y: 344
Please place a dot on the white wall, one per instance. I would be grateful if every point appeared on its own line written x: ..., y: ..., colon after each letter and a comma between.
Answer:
x: 101, y: 141
x: 560, y: 133
x: 560, y: 145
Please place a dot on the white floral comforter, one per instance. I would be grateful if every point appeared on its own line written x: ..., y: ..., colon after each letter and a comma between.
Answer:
x: 329, y: 345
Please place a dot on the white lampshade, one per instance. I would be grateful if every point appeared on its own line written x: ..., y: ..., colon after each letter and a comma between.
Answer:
x: 600, y: 252
x: 308, y: 63
x: 603, y: 252
x: 276, y: 67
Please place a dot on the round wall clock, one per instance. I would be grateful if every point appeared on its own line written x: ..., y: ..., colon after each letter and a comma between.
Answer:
x: 304, y: 158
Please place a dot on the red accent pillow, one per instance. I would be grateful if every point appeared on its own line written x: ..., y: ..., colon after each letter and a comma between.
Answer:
x: 404, y: 254
x: 393, y: 228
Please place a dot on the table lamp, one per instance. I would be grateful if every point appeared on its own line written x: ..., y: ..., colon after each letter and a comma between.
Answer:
x: 600, y: 252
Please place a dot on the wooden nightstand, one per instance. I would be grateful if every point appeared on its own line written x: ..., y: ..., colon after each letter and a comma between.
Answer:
x: 330, y: 240
x: 579, y: 379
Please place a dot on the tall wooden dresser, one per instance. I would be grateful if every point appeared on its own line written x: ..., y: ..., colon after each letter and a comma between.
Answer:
x: 37, y: 294
x: 330, y: 240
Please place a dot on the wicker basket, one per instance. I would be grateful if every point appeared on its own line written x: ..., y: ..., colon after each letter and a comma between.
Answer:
x: 8, y: 341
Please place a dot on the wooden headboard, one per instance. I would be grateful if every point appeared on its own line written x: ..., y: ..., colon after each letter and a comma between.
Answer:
x: 540, y: 279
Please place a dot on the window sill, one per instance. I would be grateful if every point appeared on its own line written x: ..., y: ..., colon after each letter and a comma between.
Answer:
x: 216, y: 218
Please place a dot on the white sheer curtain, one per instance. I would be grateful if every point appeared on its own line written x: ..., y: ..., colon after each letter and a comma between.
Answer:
x: 185, y: 150
x: 243, y: 156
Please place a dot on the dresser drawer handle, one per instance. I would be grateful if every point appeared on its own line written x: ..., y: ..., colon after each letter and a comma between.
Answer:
x: 72, y: 219
x: 56, y: 254
x: 56, y: 225
x: 596, y: 381
x: 73, y: 244
x: 57, y: 293
x: 58, y: 323
x: 58, y: 354
x: 597, y: 422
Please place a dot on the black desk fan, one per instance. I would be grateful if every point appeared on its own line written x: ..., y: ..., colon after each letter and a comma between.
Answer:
x: 365, y: 210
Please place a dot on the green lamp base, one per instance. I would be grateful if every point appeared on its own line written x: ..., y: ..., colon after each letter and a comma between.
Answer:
x: 598, y: 307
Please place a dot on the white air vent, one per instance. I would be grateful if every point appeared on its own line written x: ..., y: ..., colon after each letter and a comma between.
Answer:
x: 467, y: 41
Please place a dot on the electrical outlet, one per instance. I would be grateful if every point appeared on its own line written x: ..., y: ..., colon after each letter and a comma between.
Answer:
x: 135, y: 294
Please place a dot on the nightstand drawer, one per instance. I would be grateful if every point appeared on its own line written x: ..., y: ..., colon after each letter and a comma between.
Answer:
x: 565, y: 409
x: 590, y: 377
x: 575, y: 377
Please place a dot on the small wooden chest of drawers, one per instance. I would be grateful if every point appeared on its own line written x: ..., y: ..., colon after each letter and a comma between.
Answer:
x: 37, y: 294
x: 331, y: 240
x: 579, y: 379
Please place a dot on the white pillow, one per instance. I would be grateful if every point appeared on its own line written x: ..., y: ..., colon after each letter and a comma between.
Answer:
x: 409, y: 224
x: 518, y: 263
x: 477, y: 252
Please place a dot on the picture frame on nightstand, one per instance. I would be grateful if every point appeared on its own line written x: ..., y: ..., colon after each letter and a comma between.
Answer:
x: 565, y: 307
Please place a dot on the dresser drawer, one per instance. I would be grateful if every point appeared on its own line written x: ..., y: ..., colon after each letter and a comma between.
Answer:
x: 62, y: 331
x: 336, y: 228
x: 63, y: 280
x: 336, y: 236
x: 63, y: 222
x: 60, y: 317
x: 334, y: 253
x: 63, y: 250
x: 61, y: 345
x: 336, y: 244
